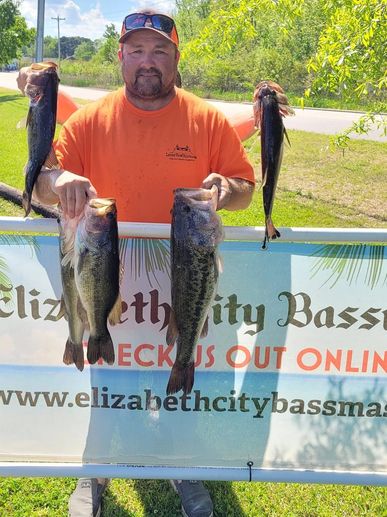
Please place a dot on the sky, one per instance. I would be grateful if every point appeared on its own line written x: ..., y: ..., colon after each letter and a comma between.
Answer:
x: 86, y: 18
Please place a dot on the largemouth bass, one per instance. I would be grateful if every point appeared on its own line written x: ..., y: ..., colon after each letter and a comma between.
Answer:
x: 196, y: 231
x: 90, y: 275
x: 270, y: 105
x: 74, y: 311
x: 42, y: 90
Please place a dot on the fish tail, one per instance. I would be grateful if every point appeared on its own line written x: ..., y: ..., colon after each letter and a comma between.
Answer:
x: 26, y: 203
x: 181, y: 378
x: 271, y: 232
x: 73, y: 354
x: 100, y: 347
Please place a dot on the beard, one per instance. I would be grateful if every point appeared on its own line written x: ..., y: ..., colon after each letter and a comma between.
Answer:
x: 149, y: 84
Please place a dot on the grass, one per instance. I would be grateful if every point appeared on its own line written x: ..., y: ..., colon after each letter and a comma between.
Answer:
x: 14, y: 153
x: 325, y: 188
x: 38, y: 497
x: 13, y: 108
x: 316, y: 188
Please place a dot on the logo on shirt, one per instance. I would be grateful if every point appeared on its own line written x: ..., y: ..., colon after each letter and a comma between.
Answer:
x: 181, y: 152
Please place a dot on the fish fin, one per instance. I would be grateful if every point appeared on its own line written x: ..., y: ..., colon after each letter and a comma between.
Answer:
x: 219, y: 263
x: 286, y: 110
x: 51, y: 161
x: 121, y: 272
x: 204, y: 331
x: 181, y: 378
x: 264, y: 178
x: 73, y: 354
x: 22, y: 124
x: 287, y: 137
x: 29, y: 116
x: 62, y: 309
x: 82, y: 314
x: 100, y: 347
x: 172, y: 331
x: 26, y: 203
x: 68, y: 231
x: 115, y: 313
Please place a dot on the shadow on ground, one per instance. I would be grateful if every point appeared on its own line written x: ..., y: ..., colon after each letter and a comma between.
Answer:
x: 156, y: 497
x: 7, y: 98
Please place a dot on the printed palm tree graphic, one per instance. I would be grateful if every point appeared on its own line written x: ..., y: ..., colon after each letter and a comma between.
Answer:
x: 351, y: 262
x: 148, y: 257
x: 4, y: 280
x: 9, y: 240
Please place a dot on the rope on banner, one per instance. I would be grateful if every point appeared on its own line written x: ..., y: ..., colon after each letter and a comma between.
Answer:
x: 250, y: 464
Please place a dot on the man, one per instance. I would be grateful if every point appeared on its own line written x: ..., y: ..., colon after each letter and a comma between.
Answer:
x: 137, y: 145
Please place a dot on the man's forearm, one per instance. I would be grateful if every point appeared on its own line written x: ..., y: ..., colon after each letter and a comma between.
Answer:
x: 44, y: 185
x: 233, y: 193
x: 241, y: 194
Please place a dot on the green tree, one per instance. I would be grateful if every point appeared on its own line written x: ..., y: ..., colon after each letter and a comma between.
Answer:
x: 68, y: 44
x: 237, y: 43
x: 50, y: 46
x: 190, y: 17
x: 85, y: 51
x: 14, y: 33
x: 108, y: 50
x: 351, y: 60
x: 352, y: 51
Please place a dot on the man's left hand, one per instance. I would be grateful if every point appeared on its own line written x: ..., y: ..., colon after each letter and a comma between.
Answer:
x: 233, y: 193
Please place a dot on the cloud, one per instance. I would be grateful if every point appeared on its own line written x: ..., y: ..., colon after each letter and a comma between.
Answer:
x: 85, y: 21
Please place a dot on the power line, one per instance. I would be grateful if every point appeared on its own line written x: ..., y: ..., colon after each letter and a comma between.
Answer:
x: 58, y: 21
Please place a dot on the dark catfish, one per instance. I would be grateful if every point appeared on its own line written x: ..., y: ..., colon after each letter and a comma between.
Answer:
x: 42, y: 90
x: 196, y: 231
x: 270, y: 105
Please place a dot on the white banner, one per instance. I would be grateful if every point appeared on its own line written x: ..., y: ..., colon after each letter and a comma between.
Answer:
x: 292, y: 374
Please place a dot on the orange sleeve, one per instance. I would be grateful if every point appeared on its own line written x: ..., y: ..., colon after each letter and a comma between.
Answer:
x: 243, y: 124
x: 68, y: 147
x: 228, y: 156
x: 65, y: 107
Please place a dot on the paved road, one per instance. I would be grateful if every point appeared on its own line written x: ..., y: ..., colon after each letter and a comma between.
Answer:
x: 314, y: 120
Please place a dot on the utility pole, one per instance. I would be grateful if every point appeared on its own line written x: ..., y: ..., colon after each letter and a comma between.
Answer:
x: 58, y: 20
x: 40, y: 31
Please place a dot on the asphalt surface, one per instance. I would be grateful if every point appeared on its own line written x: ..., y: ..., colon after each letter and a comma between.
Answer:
x: 314, y: 120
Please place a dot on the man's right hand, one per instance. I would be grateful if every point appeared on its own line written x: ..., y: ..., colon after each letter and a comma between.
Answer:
x: 72, y: 190
x: 21, y: 79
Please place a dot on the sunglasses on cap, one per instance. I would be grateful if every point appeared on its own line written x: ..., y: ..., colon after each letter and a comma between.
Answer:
x: 159, y: 22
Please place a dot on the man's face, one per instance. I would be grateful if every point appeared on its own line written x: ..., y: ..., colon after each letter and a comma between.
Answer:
x: 149, y: 64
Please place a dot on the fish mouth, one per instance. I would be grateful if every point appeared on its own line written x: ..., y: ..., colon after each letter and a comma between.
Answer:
x: 201, y: 198
x: 103, y: 206
x: 34, y: 92
x: 197, y: 194
x: 43, y: 66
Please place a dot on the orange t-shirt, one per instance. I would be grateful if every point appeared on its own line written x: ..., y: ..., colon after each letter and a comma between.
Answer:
x: 139, y: 157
